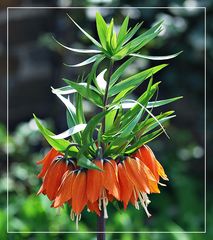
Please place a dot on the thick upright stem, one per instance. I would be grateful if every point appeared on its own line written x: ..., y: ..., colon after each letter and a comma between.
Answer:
x: 101, y: 221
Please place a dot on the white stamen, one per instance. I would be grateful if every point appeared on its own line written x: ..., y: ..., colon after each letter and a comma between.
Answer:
x: 137, y: 205
x: 79, y: 219
x: 88, y: 210
x: 99, y: 204
x: 143, y: 204
x: 146, y: 199
x: 72, y: 215
x: 162, y: 184
x: 105, y: 202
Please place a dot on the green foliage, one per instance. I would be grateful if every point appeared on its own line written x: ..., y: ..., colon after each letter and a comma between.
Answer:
x: 124, y: 124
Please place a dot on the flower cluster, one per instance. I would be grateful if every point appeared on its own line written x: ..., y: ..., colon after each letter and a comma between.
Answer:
x: 128, y: 180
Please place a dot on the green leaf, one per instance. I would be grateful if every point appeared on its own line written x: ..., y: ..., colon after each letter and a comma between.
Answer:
x: 69, y: 90
x: 123, y: 30
x: 86, y: 62
x: 116, y: 75
x: 109, y: 35
x: 87, y: 135
x: 101, y: 29
x: 135, y: 80
x: 131, y: 33
x: 59, y: 144
x: 63, y: 90
x: 127, y: 105
x: 156, y: 57
x: 154, y: 124
x: 69, y: 132
x: 79, y: 109
x: 114, y: 41
x: 144, y: 38
x: 141, y: 42
x: 121, y: 95
x: 147, y: 138
x: 152, y: 115
x: 122, y: 53
x: 92, y: 74
x: 86, y: 163
x: 71, y: 109
x: 85, y: 33
x: 87, y: 93
x: 77, y: 50
x: 162, y: 102
x: 149, y: 123
x: 109, y: 119
x: 100, y: 82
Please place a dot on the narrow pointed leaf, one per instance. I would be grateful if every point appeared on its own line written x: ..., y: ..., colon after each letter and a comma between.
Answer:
x: 69, y: 90
x: 85, y: 33
x: 88, y: 51
x: 79, y: 109
x: 59, y: 144
x: 117, y: 74
x: 162, y: 102
x: 135, y: 80
x: 123, y: 30
x: 86, y: 62
x: 156, y: 57
x: 86, y: 163
x: 101, y: 29
x: 87, y: 93
x: 70, y: 131
x: 132, y: 32
x: 147, y: 138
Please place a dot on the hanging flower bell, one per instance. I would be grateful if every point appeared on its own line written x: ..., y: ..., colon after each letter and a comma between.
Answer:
x: 127, y: 180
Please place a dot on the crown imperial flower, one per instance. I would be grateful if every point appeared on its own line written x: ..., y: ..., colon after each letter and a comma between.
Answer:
x: 107, y: 159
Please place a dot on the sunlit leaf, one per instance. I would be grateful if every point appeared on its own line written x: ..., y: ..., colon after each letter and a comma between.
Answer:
x: 135, y: 80
x: 101, y: 29
x: 120, y: 70
x: 85, y: 33
x: 86, y: 62
x: 59, y: 144
x: 71, y: 131
x: 89, y: 94
x: 77, y: 50
x: 100, y: 82
x: 143, y: 140
x: 123, y: 30
x: 156, y: 57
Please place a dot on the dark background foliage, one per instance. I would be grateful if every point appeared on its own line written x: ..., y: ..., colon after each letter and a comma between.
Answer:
x: 35, y: 64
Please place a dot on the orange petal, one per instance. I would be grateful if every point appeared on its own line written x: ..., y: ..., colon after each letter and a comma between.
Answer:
x: 93, y: 207
x: 126, y: 187
x: 152, y: 182
x: 161, y: 171
x: 94, y: 182
x: 53, y: 178
x: 146, y: 155
x: 110, y: 178
x: 136, y: 174
x: 134, y: 197
x: 79, y: 199
x: 65, y: 190
x: 46, y: 161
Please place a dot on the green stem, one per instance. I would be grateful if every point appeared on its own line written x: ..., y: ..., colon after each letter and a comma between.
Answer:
x: 101, y: 221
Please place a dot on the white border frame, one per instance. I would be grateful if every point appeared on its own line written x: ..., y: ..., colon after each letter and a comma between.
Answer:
x: 64, y: 232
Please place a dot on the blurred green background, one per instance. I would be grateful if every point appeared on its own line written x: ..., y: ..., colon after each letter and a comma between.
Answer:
x: 35, y: 64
